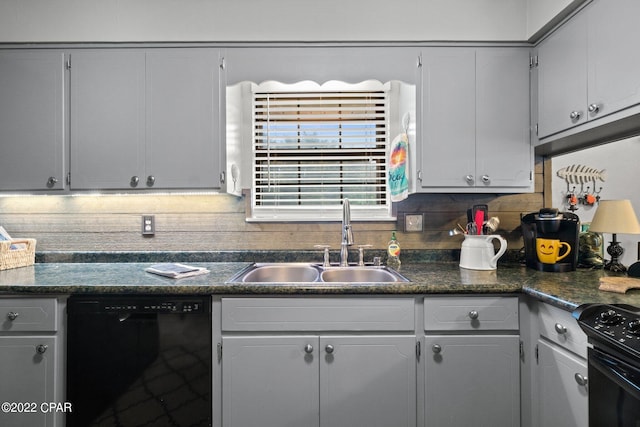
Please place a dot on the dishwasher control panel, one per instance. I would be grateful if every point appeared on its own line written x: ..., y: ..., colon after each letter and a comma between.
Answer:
x: 142, y: 305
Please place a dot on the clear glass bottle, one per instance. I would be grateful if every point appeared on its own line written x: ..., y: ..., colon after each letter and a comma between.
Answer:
x: 591, y: 254
x: 393, y: 252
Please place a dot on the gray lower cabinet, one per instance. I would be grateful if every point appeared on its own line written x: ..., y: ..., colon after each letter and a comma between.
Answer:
x: 318, y: 380
x: 145, y: 119
x: 32, y: 120
x: 295, y: 369
x: 28, y: 365
x: 475, y: 116
x: 562, y: 382
x: 472, y: 380
x: 560, y: 370
x: 472, y: 362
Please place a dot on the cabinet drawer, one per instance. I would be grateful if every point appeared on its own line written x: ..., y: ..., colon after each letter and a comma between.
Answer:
x: 28, y: 314
x: 470, y: 313
x: 323, y: 314
x: 559, y: 326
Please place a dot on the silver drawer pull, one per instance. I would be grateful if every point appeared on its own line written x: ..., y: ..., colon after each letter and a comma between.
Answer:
x: 41, y: 348
x: 329, y: 348
x: 560, y: 328
x: 12, y: 315
x: 436, y: 348
x: 581, y: 379
x: 308, y: 349
x: 473, y: 315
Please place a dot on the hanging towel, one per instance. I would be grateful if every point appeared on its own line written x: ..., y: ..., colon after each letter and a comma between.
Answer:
x: 399, y: 168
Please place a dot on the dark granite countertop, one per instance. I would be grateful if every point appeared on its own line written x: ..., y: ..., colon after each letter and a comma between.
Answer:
x: 565, y: 290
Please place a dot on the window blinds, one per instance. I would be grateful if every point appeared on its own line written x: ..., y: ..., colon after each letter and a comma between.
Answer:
x: 313, y: 149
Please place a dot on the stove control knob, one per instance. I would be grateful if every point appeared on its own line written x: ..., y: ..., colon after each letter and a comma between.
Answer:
x: 609, y: 317
x: 634, y: 327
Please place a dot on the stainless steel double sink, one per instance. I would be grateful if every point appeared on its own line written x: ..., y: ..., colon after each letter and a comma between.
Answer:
x: 310, y: 273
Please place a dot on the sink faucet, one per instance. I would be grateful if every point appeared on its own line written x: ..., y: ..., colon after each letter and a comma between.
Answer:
x: 347, y: 233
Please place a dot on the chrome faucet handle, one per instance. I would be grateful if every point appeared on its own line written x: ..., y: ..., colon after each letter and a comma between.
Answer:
x: 326, y: 261
x: 361, y: 249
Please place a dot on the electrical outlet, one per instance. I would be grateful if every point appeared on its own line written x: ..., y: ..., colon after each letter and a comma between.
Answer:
x: 148, y: 225
x: 413, y: 222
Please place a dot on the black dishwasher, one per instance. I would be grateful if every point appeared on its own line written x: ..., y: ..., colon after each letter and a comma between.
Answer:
x: 139, y: 361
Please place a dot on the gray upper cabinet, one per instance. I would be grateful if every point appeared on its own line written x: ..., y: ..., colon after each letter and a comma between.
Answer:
x: 32, y: 120
x: 587, y: 67
x: 475, y: 121
x: 107, y: 119
x: 504, y: 157
x: 145, y: 120
x: 182, y: 121
x: 614, y: 57
x: 448, y: 117
x: 562, y: 78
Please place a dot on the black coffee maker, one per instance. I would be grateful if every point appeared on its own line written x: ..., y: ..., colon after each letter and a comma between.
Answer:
x: 551, y: 240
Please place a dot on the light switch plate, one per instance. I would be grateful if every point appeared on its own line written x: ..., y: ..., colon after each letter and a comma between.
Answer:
x: 413, y: 222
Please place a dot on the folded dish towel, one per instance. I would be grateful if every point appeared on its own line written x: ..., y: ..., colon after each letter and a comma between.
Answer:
x: 399, y: 168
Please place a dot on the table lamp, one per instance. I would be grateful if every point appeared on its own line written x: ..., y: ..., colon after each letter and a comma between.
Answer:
x: 615, y: 216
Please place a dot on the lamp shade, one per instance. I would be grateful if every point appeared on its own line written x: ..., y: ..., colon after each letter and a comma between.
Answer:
x: 615, y: 217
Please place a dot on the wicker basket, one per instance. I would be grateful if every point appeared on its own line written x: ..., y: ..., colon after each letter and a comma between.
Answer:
x: 13, y: 258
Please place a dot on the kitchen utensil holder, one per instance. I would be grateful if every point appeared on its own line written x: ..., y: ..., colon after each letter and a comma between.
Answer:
x: 19, y: 257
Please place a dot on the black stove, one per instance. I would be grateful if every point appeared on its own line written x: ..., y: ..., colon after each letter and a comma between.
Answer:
x: 616, y: 326
x: 614, y: 363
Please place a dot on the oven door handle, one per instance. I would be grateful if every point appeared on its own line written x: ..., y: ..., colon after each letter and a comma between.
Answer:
x: 617, y: 371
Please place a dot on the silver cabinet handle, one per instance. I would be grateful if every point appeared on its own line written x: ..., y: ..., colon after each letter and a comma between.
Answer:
x: 486, y: 179
x: 560, y: 328
x: 581, y: 379
x: 308, y: 349
x: 469, y: 179
x: 436, y: 348
x: 473, y: 315
x: 575, y: 115
x: 151, y: 180
x: 12, y: 315
x: 52, y: 181
x: 41, y: 348
x: 594, y: 108
x: 134, y: 181
x: 329, y: 348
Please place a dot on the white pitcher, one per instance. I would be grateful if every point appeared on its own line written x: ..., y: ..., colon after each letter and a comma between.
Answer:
x: 478, y: 252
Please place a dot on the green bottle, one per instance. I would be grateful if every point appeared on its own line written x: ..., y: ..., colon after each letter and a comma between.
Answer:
x: 393, y: 252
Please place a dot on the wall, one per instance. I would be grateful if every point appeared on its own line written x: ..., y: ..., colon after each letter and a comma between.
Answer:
x: 261, y: 20
x: 620, y: 160
x: 216, y: 222
x: 210, y: 222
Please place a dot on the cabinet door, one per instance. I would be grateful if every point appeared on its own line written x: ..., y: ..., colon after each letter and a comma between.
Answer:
x: 472, y: 380
x: 107, y: 119
x: 270, y: 381
x: 32, y: 120
x: 448, y: 153
x: 368, y: 381
x: 503, y: 145
x: 614, y: 57
x: 27, y: 377
x: 183, y: 145
x: 562, y: 401
x: 562, y: 78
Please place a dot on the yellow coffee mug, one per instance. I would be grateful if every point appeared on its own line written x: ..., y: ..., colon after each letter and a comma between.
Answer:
x: 548, y: 250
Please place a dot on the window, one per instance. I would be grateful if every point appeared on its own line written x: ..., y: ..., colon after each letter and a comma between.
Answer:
x: 313, y: 148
